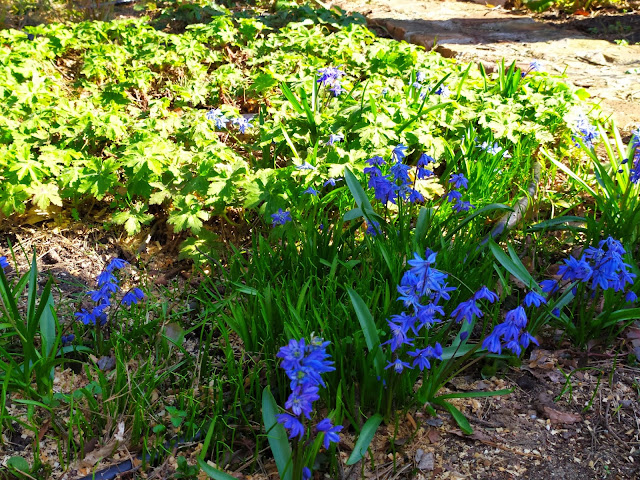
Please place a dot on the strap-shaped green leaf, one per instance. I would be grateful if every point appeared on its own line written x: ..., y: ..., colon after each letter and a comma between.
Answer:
x: 364, y: 439
x: 277, y: 435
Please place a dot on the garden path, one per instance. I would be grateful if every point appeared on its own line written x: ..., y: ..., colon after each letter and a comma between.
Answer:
x: 483, y: 33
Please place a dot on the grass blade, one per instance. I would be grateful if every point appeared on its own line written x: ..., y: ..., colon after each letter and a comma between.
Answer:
x: 277, y: 435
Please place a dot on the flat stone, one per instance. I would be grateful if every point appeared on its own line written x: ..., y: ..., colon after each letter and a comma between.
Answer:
x: 475, y: 32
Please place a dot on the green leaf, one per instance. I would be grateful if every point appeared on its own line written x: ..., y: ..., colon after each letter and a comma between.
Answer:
x: 505, y: 391
x: 513, y: 265
x: 44, y: 194
x: 457, y: 415
x: 213, y: 472
x: 357, y: 191
x: 368, y: 329
x: 364, y: 439
x: 277, y: 435
x: 18, y: 463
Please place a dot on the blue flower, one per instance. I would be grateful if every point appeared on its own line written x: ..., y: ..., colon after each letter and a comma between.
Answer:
x: 420, y: 76
x: 116, y: 264
x: 67, y: 339
x: 306, y: 473
x: 398, y: 365
x: 330, y: 75
x: 377, y: 160
x: 466, y: 310
x: 453, y: 196
x: 106, y: 277
x: 280, y: 217
x: 549, y: 286
x: 384, y: 189
x: 459, y: 180
x: 534, y: 298
x: 301, y: 399
x: 242, y: 124
x: 311, y: 191
x: 423, y: 161
x: 305, y: 166
x: 292, y: 354
x: 398, y: 152
x: 3, y: 262
x: 398, y: 336
x: 132, y: 296
x: 485, y: 294
x: 630, y: 297
x: 330, y: 432
x: 373, y: 228
x: 575, y: 270
x: 422, y: 357
x: 492, y: 343
x: 292, y: 424
x: 217, y: 117
x: 333, y: 138
x: 462, y: 206
x: 585, y: 131
x: 331, y: 181
x: 337, y: 89
x: 400, y: 172
x: 443, y: 91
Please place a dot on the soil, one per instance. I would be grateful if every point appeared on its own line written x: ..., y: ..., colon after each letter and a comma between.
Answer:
x: 611, y: 25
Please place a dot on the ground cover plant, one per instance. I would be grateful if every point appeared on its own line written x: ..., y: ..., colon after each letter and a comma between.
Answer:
x: 371, y: 190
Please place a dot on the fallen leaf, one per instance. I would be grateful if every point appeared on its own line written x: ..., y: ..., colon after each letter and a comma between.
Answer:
x: 425, y: 460
x: 556, y: 416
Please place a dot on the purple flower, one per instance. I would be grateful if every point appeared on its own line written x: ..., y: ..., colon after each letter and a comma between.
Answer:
x: 330, y: 432
x: 280, y: 217
x: 292, y: 354
x: 292, y: 424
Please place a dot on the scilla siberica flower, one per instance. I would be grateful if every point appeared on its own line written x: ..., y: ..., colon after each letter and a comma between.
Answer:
x: 304, y: 363
x: 3, y: 262
x: 107, y: 284
x: 280, y: 217
x: 585, y: 131
x: 634, y: 172
x: 217, y: 117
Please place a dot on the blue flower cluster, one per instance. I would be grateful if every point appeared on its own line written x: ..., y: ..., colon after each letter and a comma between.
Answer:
x: 107, y: 284
x: 458, y: 181
x: 442, y: 90
x: 534, y: 66
x: 512, y: 334
x: 601, y: 267
x: 493, y: 149
x: 220, y: 120
x: 421, y: 289
x: 585, y: 131
x: 330, y: 78
x: 399, y: 182
x: 634, y: 173
x: 304, y: 364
